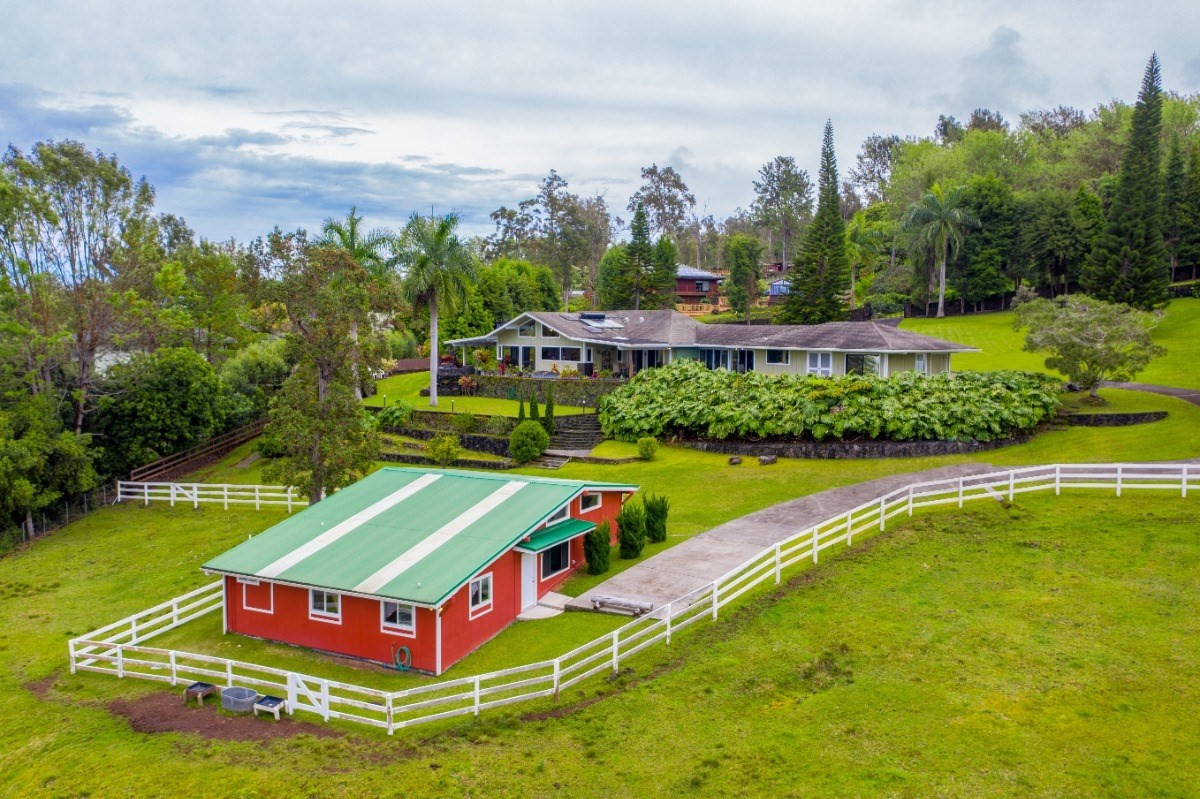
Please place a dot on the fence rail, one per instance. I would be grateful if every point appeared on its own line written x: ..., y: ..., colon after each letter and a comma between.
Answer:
x: 189, y: 459
x: 117, y: 648
x: 225, y: 494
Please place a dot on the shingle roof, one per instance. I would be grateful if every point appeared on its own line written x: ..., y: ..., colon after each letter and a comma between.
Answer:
x: 692, y: 273
x: 414, y: 535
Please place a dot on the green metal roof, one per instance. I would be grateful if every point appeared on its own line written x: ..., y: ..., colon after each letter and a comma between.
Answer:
x: 414, y: 535
x: 556, y: 534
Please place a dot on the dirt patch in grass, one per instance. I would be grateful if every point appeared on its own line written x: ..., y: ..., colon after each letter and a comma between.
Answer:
x: 164, y: 712
x: 41, y: 688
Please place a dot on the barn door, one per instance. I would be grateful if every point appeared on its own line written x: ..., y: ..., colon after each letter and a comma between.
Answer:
x: 529, y: 595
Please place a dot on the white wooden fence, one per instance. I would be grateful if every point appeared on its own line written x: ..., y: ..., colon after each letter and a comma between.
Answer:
x: 116, y: 648
x: 225, y: 494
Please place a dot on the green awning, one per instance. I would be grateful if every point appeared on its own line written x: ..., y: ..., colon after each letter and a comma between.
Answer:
x: 555, y: 534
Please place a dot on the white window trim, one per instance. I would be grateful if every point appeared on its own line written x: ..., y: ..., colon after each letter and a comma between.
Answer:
x: 599, y: 499
x: 482, y: 609
x: 787, y: 358
x: 820, y: 371
x: 531, y: 325
x: 395, y: 629
x: 549, y: 332
x: 247, y: 582
x: 320, y: 615
x: 542, y: 577
x: 921, y: 363
x: 559, y: 515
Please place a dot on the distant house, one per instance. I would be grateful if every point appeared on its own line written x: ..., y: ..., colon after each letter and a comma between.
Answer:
x: 695, y: 287
x: 625, y: 342
x: 415, y: 566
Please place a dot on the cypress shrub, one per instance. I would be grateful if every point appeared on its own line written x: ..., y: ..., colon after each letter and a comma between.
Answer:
x: 520, y: 410
x: 657, y: 508
x: 533, y: 409
x: 597, y: 549
x: 631, y: 531
x: 528, y: 441
x: 548, y: 417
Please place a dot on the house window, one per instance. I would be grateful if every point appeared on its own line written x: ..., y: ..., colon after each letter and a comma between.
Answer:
x: 820, y: 363
x: 397, y: 617
x: 919, y: 364
x: 715, y: 359
x: 481, y: 595
x: 257, y: 596
x: 857, y: 364
x: 551, y: 353
x: 779, y: 357
x: 549, y: 332
x: 556, y: 560
x: 570, y: 354
x: 702, y: 286
x: 558, y: 515
x: 324, y: 606
x: 589, y: 502
x: 527, y: 330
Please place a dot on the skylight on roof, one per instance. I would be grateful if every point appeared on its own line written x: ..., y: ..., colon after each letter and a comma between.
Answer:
x: 608, y: 324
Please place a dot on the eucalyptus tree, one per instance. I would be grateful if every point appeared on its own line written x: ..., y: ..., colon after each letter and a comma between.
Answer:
x: 783, y: 200
x: 437, y: 270
x: 939, y: 221
x: 666, y: 198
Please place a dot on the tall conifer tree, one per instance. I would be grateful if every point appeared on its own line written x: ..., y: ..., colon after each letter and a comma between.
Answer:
x: 1189, y: 243
x: 820, y: 280
x: 1174, y: 190
x: 1129, y: 263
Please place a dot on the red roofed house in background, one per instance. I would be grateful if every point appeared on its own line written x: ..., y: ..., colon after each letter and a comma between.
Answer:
x: 413, y: 566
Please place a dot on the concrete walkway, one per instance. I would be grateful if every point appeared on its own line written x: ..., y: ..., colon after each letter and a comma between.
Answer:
x: 694, y: 563
x: 1186, y: 394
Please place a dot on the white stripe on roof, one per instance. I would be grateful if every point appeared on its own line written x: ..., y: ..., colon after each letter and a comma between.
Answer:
x: 346, y: 527
x: 438, y: 538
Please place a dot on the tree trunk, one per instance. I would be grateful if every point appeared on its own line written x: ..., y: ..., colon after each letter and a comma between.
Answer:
x: 942, y: 286
x: 853, y: 280
x: 354, y: 372
x: 433, y: 350
x: 85, y: 368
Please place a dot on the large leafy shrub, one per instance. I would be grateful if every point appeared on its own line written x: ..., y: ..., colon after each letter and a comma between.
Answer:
x: 631, y: 531
x: 396, y: 414
x: 528, y: 441
x: 647, y: 447
x: 685, y: 398
x: 444, y: 450
x: 597, y: 549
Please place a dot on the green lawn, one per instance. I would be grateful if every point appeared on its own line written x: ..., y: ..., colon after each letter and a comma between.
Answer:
x: 1179, y: 332
x: 408, y: 388
x: 1041, y: 650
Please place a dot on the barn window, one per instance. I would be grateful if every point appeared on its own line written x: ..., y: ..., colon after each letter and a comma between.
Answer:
x: 399, y: 618
x: 589, y: 502
x: 481, y: 595
x: 778, y: 357
x: 324, y: 605
x: 556, y: 559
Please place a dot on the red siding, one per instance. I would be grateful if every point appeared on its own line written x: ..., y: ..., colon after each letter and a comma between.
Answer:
x: 359, y: 633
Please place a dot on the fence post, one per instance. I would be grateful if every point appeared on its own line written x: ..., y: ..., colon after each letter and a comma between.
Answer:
x: 257, y: 503
x: 1012, y: 478
x: 849, y: 528
x: 174, y: 676
x: 716, y: 599
x: 882, y: 512
x: 225, y: 494
x: 390, y: 725
x: 910, y: 499
x: 1057, y: 479
x: 120, y: 661
x: 557, y: 669
x: 146, y: 492
x: 71, y: 648
x: 133, y: 639
x: 1118, y: 480
x: 325, y: 697
x: 778, y: 562
x: 960, y: 492
x: 476, y: 695
x: 292, y: 693
x: 1183, y: 478
x: 289, y: 495
x: 172, y: 495
x: 229, y: 673
x: 195, y: 496
x: 670, y: 613
x: 815, y: 541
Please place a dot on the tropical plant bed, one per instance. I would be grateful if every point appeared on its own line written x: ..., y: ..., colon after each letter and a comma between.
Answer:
x: 688, y: 401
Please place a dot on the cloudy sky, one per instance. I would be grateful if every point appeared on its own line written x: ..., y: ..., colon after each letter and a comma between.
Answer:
x: 245, y: 115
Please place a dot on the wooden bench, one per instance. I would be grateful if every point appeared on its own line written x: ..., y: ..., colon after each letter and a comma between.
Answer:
x: 199, y: 690
x: 616, y: 603
x: 270, y: 704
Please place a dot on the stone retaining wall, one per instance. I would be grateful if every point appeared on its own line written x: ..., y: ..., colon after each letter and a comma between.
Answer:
x: 477, y: 442
x: 423, y: 460
x: 1114, y: 419
x: 849, y: 449
x: 566, y: 392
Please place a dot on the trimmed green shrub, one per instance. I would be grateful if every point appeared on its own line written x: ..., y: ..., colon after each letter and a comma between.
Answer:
x: 657, y: 508
x: 533, y: 410
x: 445, y: 449
x: 684, y: 398
x: 548, y: 418
x: 520, y: 410
x: 597, y: 549
x: 464, y: 423
x: 528, y: 441
x: 497, y: 426
x: 631, y: 531
x: 396, y: 414
x: 647, y: 447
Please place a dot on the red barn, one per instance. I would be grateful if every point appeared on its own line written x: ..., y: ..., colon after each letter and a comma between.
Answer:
x: 414, y: 565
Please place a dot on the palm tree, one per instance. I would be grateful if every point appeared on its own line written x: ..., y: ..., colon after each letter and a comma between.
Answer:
x: 939, y: 222
x: 438, y: 269
x: 863, y: 245
x: 369, y: 249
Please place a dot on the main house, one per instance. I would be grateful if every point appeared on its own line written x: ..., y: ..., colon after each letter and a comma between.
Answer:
x: 625, y: 342
x: 413, y: 566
